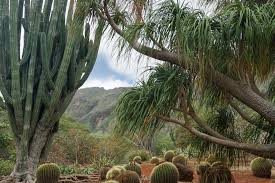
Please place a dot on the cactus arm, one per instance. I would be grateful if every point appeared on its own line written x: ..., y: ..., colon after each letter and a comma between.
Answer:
x: 26, y: 24
x: 47, y: 10
x: 70, y: 12
x: 14, y: 55
x: 2, y: 103
x: 93, y: 53
x: 45, y: 60
x: 72, y: 68
x: 37, y: 104
x: 20, y: 14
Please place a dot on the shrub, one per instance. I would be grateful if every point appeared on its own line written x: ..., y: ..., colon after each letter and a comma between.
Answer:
x: 217, y: 174
x: 212, y: 159
x: 185, y: 173
x: 134, y: 167
x: 47, y: 173
x: 137, y: 159
x: 154, y: 160
x: 6, y: 167
x: 169, y: 155
x: 217, y: 163
x: 114, y: 172
x: 165, y: 173
x: 68, y: 170
x: 180, y: 159
x: 261, y: 167
x: 202, y: 167
x: 128, y: 177
x: 103, y: 172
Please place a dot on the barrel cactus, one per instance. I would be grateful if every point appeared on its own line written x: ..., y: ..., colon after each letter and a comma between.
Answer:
x: 103, y: 172
x: 137, y: 159
x: 185, y: 173
x: 128, y: 177
x: 202, y: 167
x: 179, y: 159
x: 165, y: 173
x: 217, y: 174
x: 169, y: 155
x: 47, y: 173
x: 134, y: 167
x: 154, y: 160
x: 261, y: 167
x: 114, y: 172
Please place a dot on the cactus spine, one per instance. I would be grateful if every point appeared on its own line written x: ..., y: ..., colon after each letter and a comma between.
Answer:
x: 56, y: 60
x: 47, y: 173
x: 165, y: 173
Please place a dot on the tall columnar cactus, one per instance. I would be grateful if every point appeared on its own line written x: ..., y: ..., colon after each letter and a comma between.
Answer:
x: 47, y: 173
x: 128, y: 177
x: 38, y: 83
x: 261, y: 167
x: 165, y: 173
x: 134, y: 167
x: 169, y: 155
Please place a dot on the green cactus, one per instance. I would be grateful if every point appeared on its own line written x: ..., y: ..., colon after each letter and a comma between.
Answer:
x: 169, y: 155
x: 179, y: 159
x: 202, y: 167
x: 154, y: 160
x: 165, y: 173
x: 47, y: 173
x: 128, y: 177
x: 134, y: 167
x: 185, y: 173
x: 114, y: 172
x: 261, y: 167
x: 57, y: 58
x: 103, y: 172
x: 217, y: 174
x: 137, y: 159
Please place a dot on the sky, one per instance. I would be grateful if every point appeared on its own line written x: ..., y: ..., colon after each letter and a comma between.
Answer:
x: 110, y: 72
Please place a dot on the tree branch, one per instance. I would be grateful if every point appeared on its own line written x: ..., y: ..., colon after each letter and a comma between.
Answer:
x: 260, y: 148
x: 145, y: 50
x: 247, y: 118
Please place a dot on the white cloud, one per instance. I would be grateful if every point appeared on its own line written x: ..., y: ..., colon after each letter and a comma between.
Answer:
x: 107, y: 84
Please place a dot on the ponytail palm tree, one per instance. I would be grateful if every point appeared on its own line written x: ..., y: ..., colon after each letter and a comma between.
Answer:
x: 229, y: 55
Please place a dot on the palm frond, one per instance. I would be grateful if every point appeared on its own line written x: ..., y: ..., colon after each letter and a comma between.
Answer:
x: 138, y: 108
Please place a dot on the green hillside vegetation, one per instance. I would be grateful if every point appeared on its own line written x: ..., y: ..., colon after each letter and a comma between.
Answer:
x: 94, y: 106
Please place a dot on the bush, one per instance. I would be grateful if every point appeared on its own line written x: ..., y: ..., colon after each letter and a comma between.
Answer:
x: 169, y: 155
x: 165, y: 173
x: 6, y: 167
x: 185, y: 173
x: 261, y: 167
x: 145, y: 155
x: 202, y: 167
x: 217, y: 174
x: 180, y: 159
x: 154, y: 160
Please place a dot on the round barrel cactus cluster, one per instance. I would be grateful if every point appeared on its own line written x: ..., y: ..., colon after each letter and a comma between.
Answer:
x: 179, y: 159
x: 261, y: 167
x: 134, y: 167
x: 154, y: 160
x: 169, y: 155
x: 165, y: 173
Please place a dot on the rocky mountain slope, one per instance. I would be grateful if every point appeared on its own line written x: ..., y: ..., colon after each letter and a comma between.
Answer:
x: 94, y: 106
